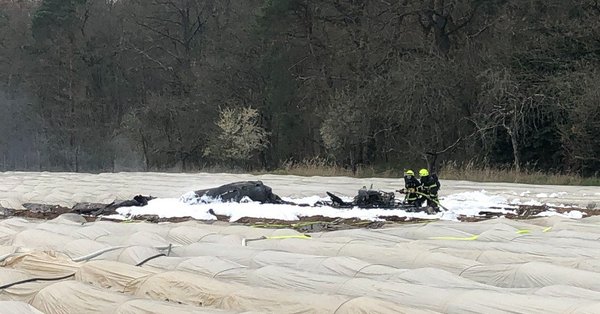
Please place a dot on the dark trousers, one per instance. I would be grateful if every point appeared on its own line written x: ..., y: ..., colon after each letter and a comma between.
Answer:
x: 432, y: 200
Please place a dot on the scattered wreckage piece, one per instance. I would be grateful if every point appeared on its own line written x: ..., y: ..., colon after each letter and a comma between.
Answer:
x: 404, y: 219
x: 44, y: 208
x: 527, y: 212
x: 86, y: 208
x: 532, y: 211
x: 239, y: 191
x: 218, y: 216
x: 49, y: 211
x: 41, y: 211
x: 6, y: 212
x: 369, y: 199
x: 365, y: 199
x: 97, y: 209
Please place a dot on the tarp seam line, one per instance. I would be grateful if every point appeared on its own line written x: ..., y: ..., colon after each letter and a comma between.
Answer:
x: 228, y: 269
x: 340, y: 306
x: 342, y: 247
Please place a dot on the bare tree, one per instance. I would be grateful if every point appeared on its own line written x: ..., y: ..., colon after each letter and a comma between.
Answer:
x: 509, y: 107
x: 180, y: 25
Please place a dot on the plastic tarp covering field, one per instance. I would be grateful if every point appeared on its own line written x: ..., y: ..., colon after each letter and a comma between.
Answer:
x: 67, y: 265
x: 12, y: 307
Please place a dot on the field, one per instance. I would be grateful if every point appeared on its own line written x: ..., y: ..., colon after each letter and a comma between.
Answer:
x: 548, y: 263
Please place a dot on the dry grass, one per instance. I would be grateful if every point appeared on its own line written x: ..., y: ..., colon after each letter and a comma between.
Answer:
x: 449, y: 171
x: 472, y: 172
x: 315, y: 166
x: 318, y: 166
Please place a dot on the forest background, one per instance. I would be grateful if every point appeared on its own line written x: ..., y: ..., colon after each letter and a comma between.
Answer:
x: 472, y: 88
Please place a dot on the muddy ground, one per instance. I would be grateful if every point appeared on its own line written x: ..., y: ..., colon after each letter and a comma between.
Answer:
x: 96, y: 212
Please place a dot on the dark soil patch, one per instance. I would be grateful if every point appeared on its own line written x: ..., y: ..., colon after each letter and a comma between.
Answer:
x: 41, y: 211
x: 306, y: 224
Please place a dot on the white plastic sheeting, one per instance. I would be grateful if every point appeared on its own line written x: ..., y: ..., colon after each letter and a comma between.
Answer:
x: 75, y: 297
x: 12, y: 307
x: 532, y: 274
x: 546, y: 265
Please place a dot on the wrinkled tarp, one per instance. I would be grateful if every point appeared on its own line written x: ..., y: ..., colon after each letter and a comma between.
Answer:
x: 12, y: 307
x: 439, y: 267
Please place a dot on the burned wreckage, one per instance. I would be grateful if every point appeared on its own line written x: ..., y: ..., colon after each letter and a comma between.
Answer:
x: 369, y: 198
x: 244, y: 191
x: 238, y: 192
x: 258, y: 192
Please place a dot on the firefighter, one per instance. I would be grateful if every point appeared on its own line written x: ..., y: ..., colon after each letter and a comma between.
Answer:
x: 428, y: 189
x: 411, y: 184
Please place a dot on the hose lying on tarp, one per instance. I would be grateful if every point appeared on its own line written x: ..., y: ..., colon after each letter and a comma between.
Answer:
x: 114, y: 248
x: 300, y: 236
x: 8, y: 285
x: 88, y: 257
x: 97, y: 253
x: 80, y: 259
x: 433, y: 200
x: 149, y: 259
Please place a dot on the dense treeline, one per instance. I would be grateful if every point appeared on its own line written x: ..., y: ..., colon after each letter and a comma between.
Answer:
x: 96, y: 85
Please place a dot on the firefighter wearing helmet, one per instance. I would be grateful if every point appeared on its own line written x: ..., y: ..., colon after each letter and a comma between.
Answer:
x: 429, y: 188
x: 411, y: 184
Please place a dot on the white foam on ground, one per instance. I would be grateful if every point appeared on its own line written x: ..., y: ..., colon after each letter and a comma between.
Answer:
x: 574, y: 214
x: 466, y: 204
x: 461, y: 197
